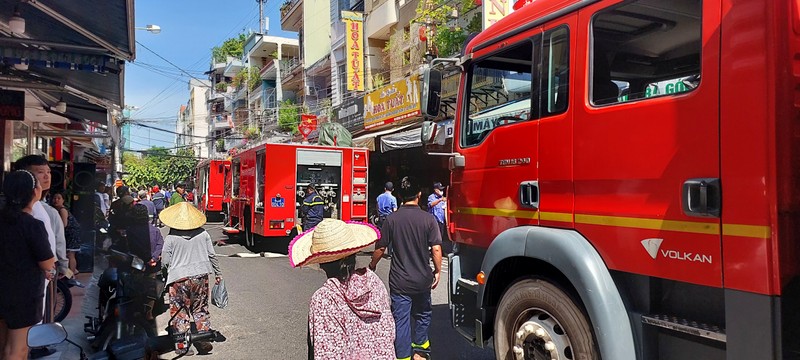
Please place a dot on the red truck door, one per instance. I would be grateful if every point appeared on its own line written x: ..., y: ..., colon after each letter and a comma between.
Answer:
x: 646, y: 132
x: 498, y: 138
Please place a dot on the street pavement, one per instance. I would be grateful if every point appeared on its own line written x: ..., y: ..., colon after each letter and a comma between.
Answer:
x: 266, y: 317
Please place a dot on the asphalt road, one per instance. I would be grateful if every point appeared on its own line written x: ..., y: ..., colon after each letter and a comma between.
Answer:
x: 266, y: 317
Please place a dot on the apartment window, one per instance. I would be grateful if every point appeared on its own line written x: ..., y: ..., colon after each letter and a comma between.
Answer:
x: 645, y: 49
x: 342, y: 80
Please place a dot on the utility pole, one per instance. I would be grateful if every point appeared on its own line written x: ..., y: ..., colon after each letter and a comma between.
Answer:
x: 261, y: 15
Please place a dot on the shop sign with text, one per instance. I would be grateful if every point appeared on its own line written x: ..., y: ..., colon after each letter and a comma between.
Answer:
x: 354, y: 27
x: 392, y: 103
x: 351, y: 114
x: 12, y: 105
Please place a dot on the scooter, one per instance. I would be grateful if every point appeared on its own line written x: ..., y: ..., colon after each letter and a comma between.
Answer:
x: 122, y: 305
x: 135, y: 348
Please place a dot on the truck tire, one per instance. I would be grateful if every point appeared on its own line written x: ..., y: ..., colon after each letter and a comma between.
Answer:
x: 249, y: 237
x: 536, y: 319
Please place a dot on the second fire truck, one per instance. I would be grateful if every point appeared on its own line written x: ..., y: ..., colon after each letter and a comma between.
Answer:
x: 268, y: 184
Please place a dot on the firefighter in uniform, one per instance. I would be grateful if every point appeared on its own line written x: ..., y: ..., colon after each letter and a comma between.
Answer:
x: 313, y: 208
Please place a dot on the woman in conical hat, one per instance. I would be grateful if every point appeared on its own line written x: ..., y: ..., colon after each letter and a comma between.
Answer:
x: 189, y: 258
x: 349, y: 317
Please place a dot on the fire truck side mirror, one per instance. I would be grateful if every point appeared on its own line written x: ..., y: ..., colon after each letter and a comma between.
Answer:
x: 431, y: 90
x: 428, y: 132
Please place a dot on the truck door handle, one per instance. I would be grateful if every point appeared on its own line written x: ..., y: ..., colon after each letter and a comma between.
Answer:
x: 529, y: 194
x: 702, y: 197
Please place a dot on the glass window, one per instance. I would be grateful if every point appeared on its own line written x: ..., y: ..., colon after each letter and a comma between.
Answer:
x: 644, y: 49
x: 556, y: 63
x: 500, y: 89
x: 260, y: 166
x: 235, y: 178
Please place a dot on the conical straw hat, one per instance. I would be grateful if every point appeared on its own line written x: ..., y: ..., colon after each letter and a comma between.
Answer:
x: 331, y: 240
x: 182, y: 216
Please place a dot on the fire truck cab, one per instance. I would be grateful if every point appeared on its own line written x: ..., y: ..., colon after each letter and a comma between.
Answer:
x: 625, y: 180
x: 269, y: 184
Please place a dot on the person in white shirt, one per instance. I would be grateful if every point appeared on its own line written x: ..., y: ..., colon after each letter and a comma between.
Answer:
x: 103, y: 196
x: 45, y: 213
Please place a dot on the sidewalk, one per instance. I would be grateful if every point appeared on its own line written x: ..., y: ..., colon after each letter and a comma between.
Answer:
x: 84, y: 303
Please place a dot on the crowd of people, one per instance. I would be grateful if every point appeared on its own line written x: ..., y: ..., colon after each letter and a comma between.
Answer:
x: 39, y: 239
x: 351, y: 316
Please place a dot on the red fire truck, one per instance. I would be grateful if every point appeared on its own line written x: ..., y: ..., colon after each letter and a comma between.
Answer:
x: 211, y: 176
x: 269, y: 183
x: 625, y: 180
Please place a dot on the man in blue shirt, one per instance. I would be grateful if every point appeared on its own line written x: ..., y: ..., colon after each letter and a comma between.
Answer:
x: 387, y: 203
x: 437, y: 205
x: 313, y: 208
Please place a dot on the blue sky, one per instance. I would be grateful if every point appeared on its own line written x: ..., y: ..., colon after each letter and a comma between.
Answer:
x: 189, y: 29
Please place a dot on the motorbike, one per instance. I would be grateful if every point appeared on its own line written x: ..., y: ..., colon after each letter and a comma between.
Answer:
x: 125, y: 291
x: 133, y: 348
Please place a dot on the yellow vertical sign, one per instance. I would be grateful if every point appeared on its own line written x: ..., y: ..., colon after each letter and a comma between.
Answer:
x: 494, y: 10
x: 354, y: 32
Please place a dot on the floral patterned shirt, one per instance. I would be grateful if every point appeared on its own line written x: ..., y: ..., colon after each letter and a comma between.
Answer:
x: 351, y: 320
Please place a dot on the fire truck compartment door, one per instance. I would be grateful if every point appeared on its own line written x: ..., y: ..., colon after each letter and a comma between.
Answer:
x: 319, y: 157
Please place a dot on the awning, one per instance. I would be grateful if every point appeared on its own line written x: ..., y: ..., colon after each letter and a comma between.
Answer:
x: 368, y: 140
x: 75, y: 48
x: 402, y: 140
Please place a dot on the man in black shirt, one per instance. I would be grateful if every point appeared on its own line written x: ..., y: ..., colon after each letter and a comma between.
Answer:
x: 414, y: 237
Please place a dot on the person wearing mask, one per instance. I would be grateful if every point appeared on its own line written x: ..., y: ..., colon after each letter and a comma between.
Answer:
x: 416, y: 240
x: 177, y: 196
x: 72, y: 229
x: 189, y: 258
x: 437, y: 206
x: 313, y: 208
x: 26, y: 261
x: 349, y: 316
x: 159, y: 202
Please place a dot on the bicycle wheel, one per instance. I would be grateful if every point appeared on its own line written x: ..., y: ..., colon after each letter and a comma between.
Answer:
x: 63, y: 301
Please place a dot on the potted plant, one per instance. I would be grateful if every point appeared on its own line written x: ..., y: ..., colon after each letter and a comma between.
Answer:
x: 220, y: 145
x: 252, y: 133
x: 221, y: 86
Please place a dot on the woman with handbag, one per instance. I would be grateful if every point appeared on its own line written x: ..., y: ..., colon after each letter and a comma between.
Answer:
x: 189, y: 257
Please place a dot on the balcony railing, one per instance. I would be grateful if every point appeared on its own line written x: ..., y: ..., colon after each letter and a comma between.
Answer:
x: 288, y: 66
x: 287, y: 6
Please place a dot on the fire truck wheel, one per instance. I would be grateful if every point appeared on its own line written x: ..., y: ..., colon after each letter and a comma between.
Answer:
x: 536, y: 319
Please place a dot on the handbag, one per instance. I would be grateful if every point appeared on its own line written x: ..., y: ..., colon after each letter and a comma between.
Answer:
x: 219, y: 295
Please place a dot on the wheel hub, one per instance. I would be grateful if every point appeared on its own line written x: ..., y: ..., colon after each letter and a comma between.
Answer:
x: 541, y: 338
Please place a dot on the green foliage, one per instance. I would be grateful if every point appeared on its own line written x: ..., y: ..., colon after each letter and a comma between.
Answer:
x: 221, y: 86
x: 158, y: 167
x: 288, y: 116
x: 249, y: 76
x: 446, y: 37
x: 252, y: 133
x: 233, y: 47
